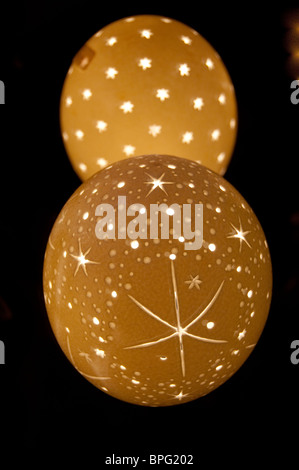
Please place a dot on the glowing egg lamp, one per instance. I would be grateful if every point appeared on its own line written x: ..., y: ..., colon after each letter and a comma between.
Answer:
x: 144, y: 85
x: 157, y: 280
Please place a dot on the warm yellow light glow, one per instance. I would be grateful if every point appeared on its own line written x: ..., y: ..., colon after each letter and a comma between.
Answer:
x: 101, y: 126
x: 162, y: 94
x: 129, y: 150
x: 187, y: 137
x: 87, y: 94
x: 210, y: 64
x: 145, y: 63
x: 111, y: 41
x: 111, y: 72
x: 134, y: 89
x: 184, y: 70
x: 154, y: 130
x: 146, y: 33
x: 198, y: 103
x: 215, y: 134
x: 79, y: 134
x: 102, y: 162
x: 134, y: 244
x: 127, y: 107
x: 137, y: 317
x: 186, y: 40
x: 100, y: 353
x: 169, y: 211
x: 222, y: 98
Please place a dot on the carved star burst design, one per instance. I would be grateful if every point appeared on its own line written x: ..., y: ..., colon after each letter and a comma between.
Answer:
x: 82, y: 260
x: 240, y: 234
x: 157, y: 183
x: 177, y: 330
x: 94, y: 377
x: 194, y: 282
x: 86, y: 356
x: 181, y: 395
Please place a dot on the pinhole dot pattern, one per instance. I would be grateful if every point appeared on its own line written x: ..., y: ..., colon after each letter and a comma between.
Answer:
x: 149, y: 321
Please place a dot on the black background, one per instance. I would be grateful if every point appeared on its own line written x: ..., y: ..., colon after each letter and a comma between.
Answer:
x: 44, y: 403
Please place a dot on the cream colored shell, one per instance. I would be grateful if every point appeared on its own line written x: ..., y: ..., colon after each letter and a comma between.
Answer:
x: 145, y: 85
x: 147, y: 320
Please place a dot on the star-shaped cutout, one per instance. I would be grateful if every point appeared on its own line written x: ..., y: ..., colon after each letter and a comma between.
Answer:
x: 181, y: 395
x: 86, y: 356
x: 194, y: 282
x: 154, y: 130
x: 187, y: 137
x: 210, y: 64
x: 146, y: 33
x: 178, y: 330
x: 162, y: 94
x: 111, y: 41
x: 198, y: 103
x: 79, y: 134
x: 101, y: 126
x: 215, y: 134
x: 145, y: 63
x: 240, y: 234
x: 222, y: 98
x: 242, y: 334
x: 186, y: 40
x: 111, y: 72
x: 102, y: 162
x: 82, y: 260
x: 129, y: 150
x: 157, y: 183
x: 68, y: 101
x: 87, y: 94
x: 127, y: 107
x: 184, y: 70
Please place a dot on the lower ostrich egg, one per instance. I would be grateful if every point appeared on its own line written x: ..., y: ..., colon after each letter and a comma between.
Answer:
x: 157, y: 280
